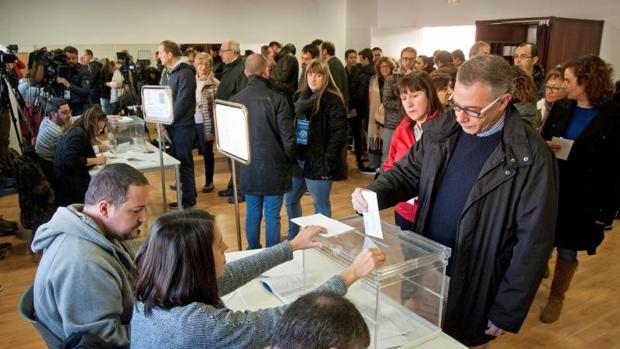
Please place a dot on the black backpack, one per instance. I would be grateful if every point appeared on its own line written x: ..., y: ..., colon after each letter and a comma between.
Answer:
x: 36, y: 196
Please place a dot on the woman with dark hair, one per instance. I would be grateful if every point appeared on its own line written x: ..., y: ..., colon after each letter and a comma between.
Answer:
x: 75, y: 156
x: 443, y: 85
x: 181, y: 273
x: 554, y: 91
x: 420, y: 103
x: 589, y: 190
x: 424, y: 63
x: 524, y: 96
x: 321, y: 125
x: 384, y: 66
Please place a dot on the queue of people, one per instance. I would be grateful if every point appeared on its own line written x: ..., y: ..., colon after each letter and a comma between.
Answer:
x: 453, y: 153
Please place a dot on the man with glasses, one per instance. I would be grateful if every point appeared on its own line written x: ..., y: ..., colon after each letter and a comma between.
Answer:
x: 488, y: 189
x: 526, y: 57
x: 391, y: 98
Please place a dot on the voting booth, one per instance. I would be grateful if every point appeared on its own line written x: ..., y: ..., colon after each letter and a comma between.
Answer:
x: 403, y: 301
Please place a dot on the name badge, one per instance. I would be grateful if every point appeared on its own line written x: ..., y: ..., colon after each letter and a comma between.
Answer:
x: 301, y: 131
x: 67, y: 94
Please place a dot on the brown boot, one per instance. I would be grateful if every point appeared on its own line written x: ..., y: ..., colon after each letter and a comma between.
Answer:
x: 562, y: 277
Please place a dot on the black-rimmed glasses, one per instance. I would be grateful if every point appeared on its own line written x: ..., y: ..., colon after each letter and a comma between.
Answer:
x: 472, y: 113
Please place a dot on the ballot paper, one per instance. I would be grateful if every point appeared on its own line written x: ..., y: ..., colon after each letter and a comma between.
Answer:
x: 566, y: 144
x: 333, y: 226
x: 372, y: 220
x: 235, y: 301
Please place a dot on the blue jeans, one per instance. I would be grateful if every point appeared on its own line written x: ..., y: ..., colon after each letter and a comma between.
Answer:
x: 254, y: 215
x: 105, y: 105
x: 387, y: 139
x: 182, y: 138
x: 319, y: 189
x: 567, y: 255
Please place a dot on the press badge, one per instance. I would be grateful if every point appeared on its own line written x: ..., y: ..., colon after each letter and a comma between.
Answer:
x: 67, y: 94
x: 301, y: 131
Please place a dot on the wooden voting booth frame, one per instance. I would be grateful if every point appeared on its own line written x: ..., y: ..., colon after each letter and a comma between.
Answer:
x: 157, y: 107
x: 232, y: 138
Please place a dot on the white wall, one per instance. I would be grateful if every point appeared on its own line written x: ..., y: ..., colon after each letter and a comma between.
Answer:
x: 418, y: 13
x: 107, y: 26
x: 114, y: 24
x: 361, y: 17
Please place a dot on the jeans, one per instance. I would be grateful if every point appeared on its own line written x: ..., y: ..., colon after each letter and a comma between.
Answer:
x: 355, y: 124
x: 254, y: 215
x: 319, y: 190
x: 387, y: 139
x: 105, y: 105
x: 567, y: 254
x: 206, y: 149
x: 182, y: 138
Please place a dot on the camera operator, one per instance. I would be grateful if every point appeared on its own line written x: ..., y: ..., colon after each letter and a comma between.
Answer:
x: 96, y: 76
x: 76, y: 82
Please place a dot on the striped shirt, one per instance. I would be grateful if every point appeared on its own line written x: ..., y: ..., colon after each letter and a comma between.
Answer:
x: 494, y: 129
x: 48, y: 136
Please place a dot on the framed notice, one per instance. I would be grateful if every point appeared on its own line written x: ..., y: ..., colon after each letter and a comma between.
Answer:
x: 231, y: 130
x: 157, y: 104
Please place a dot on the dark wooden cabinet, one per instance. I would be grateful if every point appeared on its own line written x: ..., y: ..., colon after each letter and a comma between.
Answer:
x: 558, y: 39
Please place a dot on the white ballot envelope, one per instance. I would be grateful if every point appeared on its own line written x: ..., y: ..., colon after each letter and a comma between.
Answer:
x: 332, y: 226
x: 372, y: 220
x: 567, y: 145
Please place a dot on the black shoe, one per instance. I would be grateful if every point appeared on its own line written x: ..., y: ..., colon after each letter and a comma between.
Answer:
x: 5, y: 222
x: 6, y: 231
x: 208, y: 188
x: 175, y: 206
x: 368, y: 170
x: 4, y: 248
x: 227, y: 192
x: 231, y: 199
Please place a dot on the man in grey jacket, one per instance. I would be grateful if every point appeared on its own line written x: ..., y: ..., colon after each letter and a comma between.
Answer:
x: 83, y: 279
x: 488, y: 189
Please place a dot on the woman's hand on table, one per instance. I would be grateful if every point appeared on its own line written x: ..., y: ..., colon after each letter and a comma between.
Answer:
x: 305, y: 239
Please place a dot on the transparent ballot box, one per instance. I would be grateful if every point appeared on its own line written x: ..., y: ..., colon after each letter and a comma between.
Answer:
x: 402, y: 302
x: 125, y: 134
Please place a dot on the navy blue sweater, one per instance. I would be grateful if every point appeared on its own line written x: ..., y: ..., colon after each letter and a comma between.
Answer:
x: 469, y: 155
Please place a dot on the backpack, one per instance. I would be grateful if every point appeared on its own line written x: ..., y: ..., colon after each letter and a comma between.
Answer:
x: 36, y: 196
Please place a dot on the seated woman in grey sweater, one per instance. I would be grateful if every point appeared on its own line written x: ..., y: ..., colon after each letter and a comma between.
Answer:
x: 181, y: 273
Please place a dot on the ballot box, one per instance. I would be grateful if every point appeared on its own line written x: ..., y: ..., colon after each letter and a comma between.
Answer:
x: 403, y: 301
x: 125, y: 134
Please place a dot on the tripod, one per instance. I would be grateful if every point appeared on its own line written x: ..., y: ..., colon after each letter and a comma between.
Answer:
x: 5, y: 102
